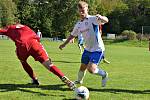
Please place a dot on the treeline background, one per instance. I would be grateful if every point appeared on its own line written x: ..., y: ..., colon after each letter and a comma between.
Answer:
x: 56, y: 18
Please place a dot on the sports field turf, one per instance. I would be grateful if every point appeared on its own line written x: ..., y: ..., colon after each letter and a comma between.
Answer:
x: 129, y: 74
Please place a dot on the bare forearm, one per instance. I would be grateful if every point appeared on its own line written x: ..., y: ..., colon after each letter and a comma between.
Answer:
x: 68, y: 39
x: 102, y: 19
x: 66, y: 42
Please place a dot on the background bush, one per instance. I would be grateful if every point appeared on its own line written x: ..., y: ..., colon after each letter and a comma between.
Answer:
x: 129, y: 34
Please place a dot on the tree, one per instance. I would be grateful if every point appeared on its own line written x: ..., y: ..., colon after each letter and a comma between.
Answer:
x: 138, y: 13
x: 117, y: 18
x: 26, y: 10
x: 7, y: 12
x: 57, y: 18
x: 64, y: 17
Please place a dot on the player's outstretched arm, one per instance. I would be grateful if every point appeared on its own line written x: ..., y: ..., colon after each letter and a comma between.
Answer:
x: 2, y: 31
x: 66, y: 42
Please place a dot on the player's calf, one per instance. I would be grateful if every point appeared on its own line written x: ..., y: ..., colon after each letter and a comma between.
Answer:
x: 104, y: 79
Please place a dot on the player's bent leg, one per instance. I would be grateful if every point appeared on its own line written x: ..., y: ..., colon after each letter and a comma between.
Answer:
x: 92, y: 68
x: 104, y: 79
x: 48, y: 64
x: 81, y: 74
x: 30, y: 72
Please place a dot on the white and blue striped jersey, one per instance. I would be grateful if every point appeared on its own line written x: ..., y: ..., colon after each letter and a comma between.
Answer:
x: 89, y: 28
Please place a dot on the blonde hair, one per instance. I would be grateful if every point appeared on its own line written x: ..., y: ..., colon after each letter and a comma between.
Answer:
x: 82, y: 4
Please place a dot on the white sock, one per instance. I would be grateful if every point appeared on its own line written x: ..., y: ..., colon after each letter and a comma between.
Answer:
x: 100, y: 72
x: 81, y: 75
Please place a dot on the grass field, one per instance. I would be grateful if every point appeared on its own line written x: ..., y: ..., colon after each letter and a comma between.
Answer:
x: 129, y: 74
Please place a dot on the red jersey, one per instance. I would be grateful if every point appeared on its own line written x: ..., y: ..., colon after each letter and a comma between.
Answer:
x: 27, y: 42
x: 20, y: 34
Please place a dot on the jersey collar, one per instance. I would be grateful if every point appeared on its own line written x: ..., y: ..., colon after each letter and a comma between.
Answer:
x: 87, y: 17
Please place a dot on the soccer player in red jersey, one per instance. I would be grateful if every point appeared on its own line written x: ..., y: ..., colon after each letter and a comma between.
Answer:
x: 27, y: 44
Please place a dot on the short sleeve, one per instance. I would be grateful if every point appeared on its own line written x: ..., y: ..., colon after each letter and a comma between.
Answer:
x: 75, y: 31
x: 3, y: 31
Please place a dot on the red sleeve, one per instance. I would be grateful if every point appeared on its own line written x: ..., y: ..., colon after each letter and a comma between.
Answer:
x: 3, y: 31
x: 100, y: 27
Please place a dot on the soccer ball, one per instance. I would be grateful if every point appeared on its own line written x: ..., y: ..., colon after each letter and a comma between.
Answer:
x: 81, y: 93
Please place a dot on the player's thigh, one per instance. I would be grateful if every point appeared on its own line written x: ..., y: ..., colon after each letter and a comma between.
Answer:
x: 47, y: 64
x: 38, y: 52
x: 22, y: 53
x: 91, y: 67
x: 96, y: 57
x: 83, y: 67
x: 85, y: 57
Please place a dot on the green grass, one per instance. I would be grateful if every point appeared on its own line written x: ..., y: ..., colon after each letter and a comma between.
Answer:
x: 129, y: 74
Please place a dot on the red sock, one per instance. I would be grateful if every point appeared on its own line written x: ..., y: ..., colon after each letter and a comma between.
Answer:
x: 56, y: 71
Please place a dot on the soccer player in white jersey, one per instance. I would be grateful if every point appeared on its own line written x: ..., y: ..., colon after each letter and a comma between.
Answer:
x: 80, y: 43
x: 89, y: 27
x: 39, y: 34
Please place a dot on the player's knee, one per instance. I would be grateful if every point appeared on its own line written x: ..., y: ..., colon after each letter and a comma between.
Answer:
x: 47, y: 63
x: 83, y: 67
x: 91, y: 70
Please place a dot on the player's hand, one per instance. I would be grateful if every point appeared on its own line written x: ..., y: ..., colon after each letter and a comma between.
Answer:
x: 61, y: 46
x: 99, y: 17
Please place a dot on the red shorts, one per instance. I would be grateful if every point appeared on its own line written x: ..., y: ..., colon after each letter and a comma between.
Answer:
x: 32, y: 48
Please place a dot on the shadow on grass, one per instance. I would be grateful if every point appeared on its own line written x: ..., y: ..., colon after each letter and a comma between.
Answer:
x: 25, y: 88
x: 116, y: 91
